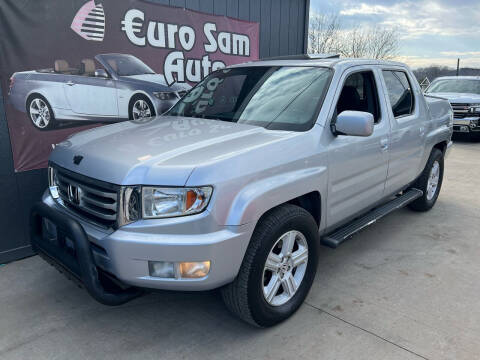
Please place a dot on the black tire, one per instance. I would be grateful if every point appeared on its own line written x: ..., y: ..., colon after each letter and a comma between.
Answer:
x: 244, y: 296
x: 132, y: 102
x: 51, y: 122
x: 424, y: 203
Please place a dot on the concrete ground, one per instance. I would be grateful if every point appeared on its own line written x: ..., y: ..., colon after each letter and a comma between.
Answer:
x: 405, y: 288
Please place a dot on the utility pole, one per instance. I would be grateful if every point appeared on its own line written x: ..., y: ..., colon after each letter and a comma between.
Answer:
x: 458, y: 66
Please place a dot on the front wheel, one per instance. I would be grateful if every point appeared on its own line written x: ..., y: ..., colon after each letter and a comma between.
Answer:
x: 278, y: 268
x: 430, y: 182
x: 140, y: 108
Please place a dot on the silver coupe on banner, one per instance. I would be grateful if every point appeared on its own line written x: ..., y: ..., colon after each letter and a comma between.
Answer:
x: 113, y: 87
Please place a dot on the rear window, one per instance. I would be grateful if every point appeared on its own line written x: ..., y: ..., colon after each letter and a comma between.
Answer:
x: 399, y: 92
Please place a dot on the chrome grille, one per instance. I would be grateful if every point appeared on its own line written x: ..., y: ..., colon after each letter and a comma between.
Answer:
x: 460, y: 111
x: 94, y: 200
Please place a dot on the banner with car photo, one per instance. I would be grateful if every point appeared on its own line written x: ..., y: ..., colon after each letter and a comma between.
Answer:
x: 70, y: 65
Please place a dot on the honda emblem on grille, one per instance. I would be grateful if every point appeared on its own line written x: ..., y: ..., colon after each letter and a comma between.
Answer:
x: 77, y: 159
x: 74, y: 194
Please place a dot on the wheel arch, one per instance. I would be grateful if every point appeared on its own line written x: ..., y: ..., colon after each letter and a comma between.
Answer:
x: 299, y: 188
x: 311, y: 202
x: 442, y: 146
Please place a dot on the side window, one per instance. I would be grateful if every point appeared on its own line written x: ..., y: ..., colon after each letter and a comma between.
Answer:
x: 399, y: 92
x: 359, y: 93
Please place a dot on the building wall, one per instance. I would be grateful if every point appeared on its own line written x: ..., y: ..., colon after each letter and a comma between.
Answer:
x: 282, y: 32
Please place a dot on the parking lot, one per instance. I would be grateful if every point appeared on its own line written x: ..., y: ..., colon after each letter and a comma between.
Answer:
x: 405, y: 288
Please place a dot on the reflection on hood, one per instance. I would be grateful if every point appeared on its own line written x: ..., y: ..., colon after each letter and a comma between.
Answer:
x: 162, y: 150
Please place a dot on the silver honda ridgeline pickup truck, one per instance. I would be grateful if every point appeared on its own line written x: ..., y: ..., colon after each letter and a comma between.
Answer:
x: 239, y: 183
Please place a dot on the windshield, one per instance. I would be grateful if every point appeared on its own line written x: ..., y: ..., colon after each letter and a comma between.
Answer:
x: 469, y: 86
x: 127, y: 65
x: 276, y: 98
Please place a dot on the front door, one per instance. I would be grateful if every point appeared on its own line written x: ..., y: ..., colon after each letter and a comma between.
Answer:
x: 91, y: 95
x: 357, y: 165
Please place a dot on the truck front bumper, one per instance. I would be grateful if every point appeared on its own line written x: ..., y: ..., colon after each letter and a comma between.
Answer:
x: 466, y: 125
x: 125, y: 253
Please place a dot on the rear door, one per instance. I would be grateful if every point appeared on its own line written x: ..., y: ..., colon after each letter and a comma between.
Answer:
x: 91, y: 95
x: 408, y: 129
x: 357, y: 165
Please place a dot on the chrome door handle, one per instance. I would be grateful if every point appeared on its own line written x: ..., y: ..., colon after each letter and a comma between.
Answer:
x: 422, y: 131
x: 384, y: 144
x: 70, y: 83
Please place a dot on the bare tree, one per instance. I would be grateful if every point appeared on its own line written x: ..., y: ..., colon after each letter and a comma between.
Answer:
x: 354, y: 43
x: 326, y: 35
x: 382, y: 43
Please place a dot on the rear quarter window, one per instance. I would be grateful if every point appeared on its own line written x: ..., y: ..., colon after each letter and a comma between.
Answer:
x: 399, y: 92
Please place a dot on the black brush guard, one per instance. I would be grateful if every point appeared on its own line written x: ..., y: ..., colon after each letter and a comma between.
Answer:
x: 79, y: 263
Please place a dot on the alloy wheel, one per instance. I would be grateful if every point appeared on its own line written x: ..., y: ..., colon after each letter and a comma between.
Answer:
x: 285, y: 268
x: 39, y: 113
x: 433, y: 179
x: 141, y: 109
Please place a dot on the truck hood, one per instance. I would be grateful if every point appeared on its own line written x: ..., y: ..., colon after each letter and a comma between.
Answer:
x: 158, y: 151
x: 460, y: 98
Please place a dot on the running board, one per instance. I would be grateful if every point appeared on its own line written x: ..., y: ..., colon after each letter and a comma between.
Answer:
x: 340, y: 235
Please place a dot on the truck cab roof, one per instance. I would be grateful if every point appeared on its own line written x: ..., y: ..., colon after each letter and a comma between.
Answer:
x: 328, y: 61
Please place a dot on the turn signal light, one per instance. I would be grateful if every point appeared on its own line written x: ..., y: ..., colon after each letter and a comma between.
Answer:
x: 194, y: 269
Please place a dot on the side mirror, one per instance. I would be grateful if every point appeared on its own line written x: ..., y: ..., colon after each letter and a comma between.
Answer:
x: 354, y: 123
x: 101, y: 73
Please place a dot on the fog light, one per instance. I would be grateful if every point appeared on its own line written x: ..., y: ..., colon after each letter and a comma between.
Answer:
x: 473, y: 125
x: 161, y: 269
x: 194, y: 269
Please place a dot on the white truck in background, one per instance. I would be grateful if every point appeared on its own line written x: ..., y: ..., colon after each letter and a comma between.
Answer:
x: 463, y: 93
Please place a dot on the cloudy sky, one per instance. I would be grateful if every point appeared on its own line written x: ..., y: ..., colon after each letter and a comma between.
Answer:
x: 432, y: 31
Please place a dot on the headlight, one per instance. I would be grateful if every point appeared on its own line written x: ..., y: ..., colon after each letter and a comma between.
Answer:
x: 165, y: 95
x: 169, y: 202
x: 160, y: 202
x: 475, y: 109
x: 132, y: 205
